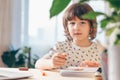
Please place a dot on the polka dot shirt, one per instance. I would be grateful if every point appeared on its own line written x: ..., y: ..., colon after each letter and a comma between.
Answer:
x: 75, y: 54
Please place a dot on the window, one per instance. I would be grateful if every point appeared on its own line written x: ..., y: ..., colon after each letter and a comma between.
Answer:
x: 41, y: 29
x: 41, y: 32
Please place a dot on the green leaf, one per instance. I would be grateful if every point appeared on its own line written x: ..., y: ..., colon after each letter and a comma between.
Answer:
x: 58, y: 6
x: 109, y: 31
x: 115, y: 17
x: 92, y: 15
x: 114, y: 3
x: 82, y: 1
x: 104, y: 23
x: 8, y: 57
x: 117, y: 41
x: 26, y: 49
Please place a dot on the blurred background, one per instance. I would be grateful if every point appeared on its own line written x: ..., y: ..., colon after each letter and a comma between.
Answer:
x: 26, y: 25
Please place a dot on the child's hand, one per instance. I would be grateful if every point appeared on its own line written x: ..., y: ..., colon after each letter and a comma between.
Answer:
x: 59, y: 59
x: 89, y: 64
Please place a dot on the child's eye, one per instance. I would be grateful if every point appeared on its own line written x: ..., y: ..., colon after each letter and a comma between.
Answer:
x: 72, y: 23
x: 82, y: 22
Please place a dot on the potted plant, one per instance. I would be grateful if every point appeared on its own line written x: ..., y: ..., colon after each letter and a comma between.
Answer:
x: 110, y: 25
x: 8, y: 57
x: 19, y: 58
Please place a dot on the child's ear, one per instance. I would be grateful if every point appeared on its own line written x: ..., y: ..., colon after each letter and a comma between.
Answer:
x: 90, y: 33
x: 90, y: 30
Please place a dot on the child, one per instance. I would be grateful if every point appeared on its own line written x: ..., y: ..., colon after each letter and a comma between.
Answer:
x: 78, y: 49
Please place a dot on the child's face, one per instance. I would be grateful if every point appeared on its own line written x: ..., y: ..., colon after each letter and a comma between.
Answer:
x: 79, y: 29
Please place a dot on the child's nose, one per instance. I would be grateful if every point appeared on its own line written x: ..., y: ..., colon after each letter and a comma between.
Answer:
x: 76, y: 26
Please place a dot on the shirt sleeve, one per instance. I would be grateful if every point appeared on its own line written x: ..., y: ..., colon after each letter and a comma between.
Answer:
x: 57, y: 48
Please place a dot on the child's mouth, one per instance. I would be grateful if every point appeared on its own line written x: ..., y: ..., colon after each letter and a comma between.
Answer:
x: 77, y: 33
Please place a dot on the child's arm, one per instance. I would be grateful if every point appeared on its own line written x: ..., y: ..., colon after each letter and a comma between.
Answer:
x: 56, y: 61
x: 44, y: 64
x: 89, y: 64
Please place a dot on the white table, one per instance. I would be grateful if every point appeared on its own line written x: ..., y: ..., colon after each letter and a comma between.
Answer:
x: 49, y: 75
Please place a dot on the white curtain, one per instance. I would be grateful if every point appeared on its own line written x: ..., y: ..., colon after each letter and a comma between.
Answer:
x: 5, y: 26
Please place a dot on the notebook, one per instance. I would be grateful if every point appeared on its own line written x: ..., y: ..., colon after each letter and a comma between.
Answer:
x: 78, y: 72
x: 11, y: 74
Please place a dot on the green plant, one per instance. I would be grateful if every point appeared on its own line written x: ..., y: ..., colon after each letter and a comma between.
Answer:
x: 19, y: 58
x: 8, y: 57
x: 114, y: 18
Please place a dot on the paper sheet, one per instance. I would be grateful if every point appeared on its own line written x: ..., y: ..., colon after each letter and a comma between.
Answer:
x: 12, y: 74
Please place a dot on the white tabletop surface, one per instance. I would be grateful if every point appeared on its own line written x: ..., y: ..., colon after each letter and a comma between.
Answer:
x: 49, y: 75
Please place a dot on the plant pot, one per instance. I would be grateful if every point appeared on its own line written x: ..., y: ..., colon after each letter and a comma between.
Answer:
x: 114, y: 63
